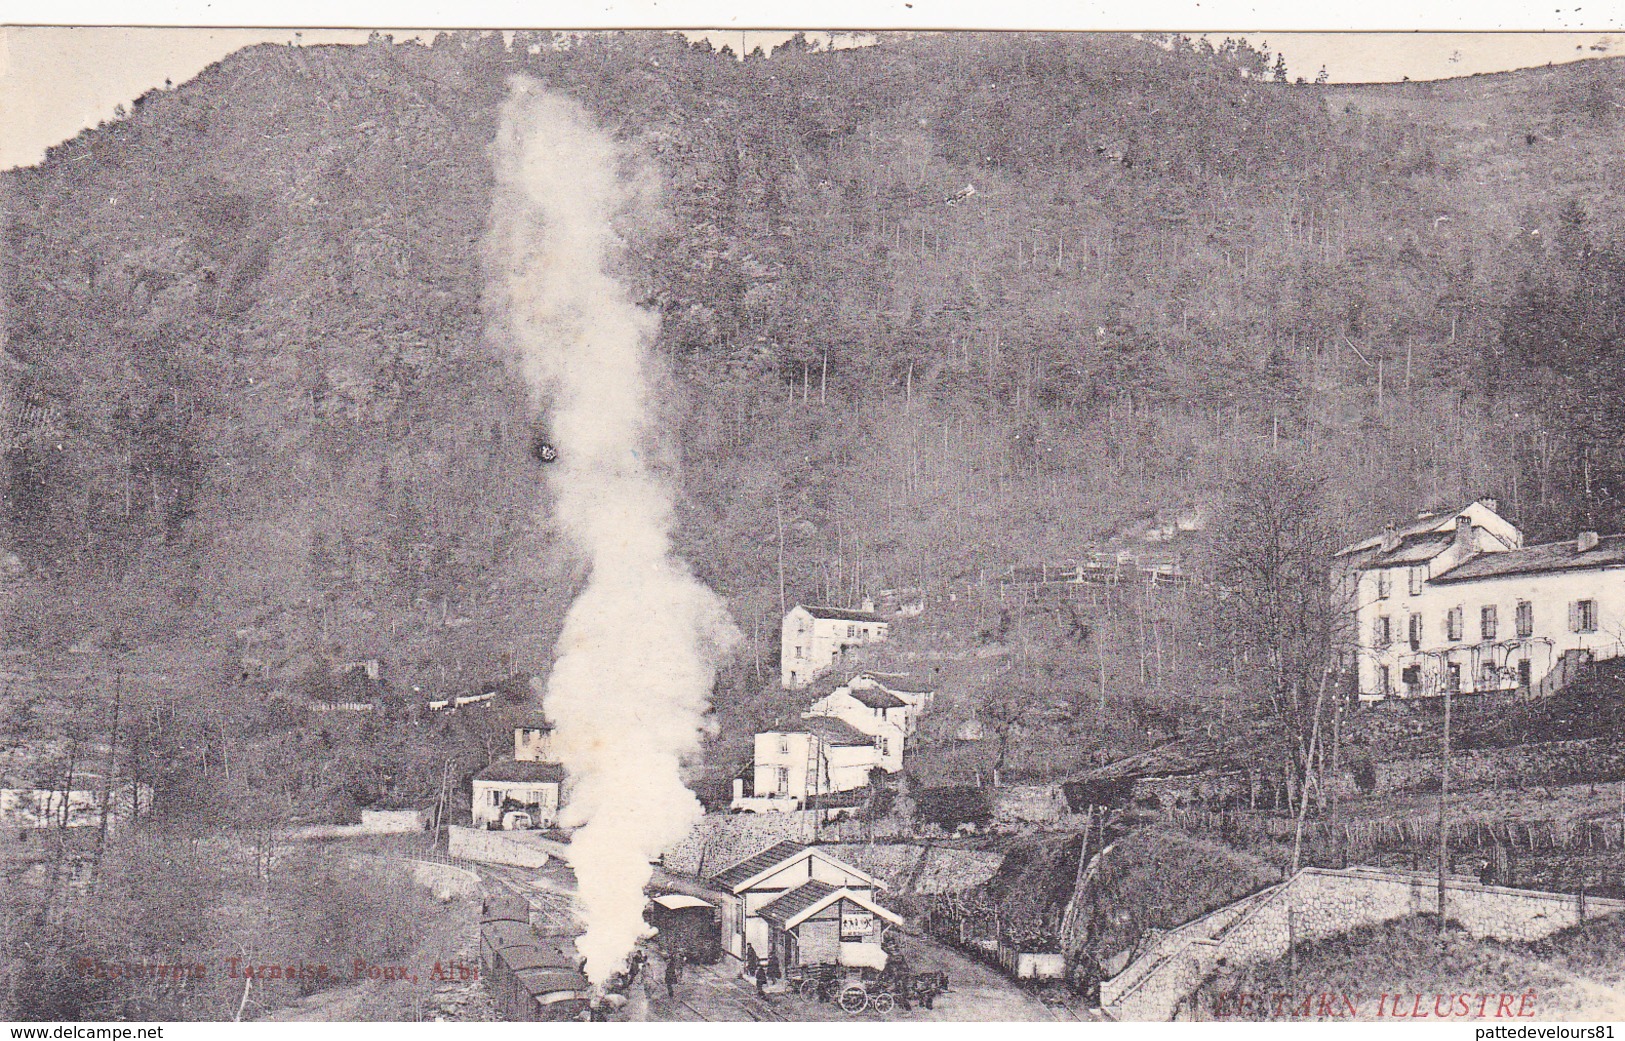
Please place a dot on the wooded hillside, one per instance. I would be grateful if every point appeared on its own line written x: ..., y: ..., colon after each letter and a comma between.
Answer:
x: 252, y: 409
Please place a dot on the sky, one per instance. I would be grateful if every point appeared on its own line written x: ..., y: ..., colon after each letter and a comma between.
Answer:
x: 56, y: 80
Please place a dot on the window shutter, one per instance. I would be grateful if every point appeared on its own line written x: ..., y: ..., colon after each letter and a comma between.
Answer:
x: 1574, y: 616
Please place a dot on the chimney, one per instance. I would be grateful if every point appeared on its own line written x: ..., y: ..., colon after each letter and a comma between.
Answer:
x: 1493, y: 505
x: 1466, y: 538
x: 1390, y: 538
x: 1586, y: 541
x: 869, y: 604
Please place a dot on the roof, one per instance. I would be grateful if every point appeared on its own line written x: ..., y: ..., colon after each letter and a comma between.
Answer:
x: 795, y: 901
x: 1431, y: 522
x: 1552, y: 556
x: 522, y: 770
x: 681, y: 901
x: 841, y: 614
x: 1416, y: 548
x: 834, y: 731
x: 875, y: 697
x: 807, y: 899
x: 750, y: 867
x: 904, y: 684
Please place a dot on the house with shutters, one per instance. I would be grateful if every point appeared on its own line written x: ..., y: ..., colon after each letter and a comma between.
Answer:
x: 813, y: 639
x: 823, y: 756
x: 878, y: 713
x: 522, y: 792
x: 919, y: 695
x: 802, y: 903
x: 1455, y: 602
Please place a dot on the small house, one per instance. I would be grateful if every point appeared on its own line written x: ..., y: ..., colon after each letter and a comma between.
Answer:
x: 783, y: 872
x: 513, y: 793
x: 522, y: 792
x: 818, y: 923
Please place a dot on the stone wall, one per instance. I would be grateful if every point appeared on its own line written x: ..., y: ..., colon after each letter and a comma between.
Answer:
x: 1029, y: 804
x: 719, y: 841
x: 1180, y: 790
x: 1317, y: 903
x: 1550, y: 763
x: 924, y: 870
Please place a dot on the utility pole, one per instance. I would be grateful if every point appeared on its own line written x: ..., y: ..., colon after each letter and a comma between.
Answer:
x: 112, y: 764
x: 1444, y: 795
x: 784, y: 608
x: 440, y: 813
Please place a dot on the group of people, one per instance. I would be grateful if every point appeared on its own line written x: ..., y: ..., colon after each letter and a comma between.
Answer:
x: 764, y: 971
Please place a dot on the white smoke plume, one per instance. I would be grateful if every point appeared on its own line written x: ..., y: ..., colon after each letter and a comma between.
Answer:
x: 637, y: 656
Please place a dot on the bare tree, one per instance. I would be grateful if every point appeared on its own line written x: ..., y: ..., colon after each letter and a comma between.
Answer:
x: 1277, y: 600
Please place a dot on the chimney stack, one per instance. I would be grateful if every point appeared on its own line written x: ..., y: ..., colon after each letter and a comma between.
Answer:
x: 869, y: 604
x: 1494, y: 505
x: 1586, y: 541
x: 1390, y: 538
x: 1465, y: 536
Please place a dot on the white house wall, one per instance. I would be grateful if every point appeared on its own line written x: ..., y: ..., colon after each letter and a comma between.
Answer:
x: 810, y: 646
x: 1549, y: 594
x: 889, y: 724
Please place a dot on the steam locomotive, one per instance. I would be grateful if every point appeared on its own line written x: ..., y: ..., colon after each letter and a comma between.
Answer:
x: 530, y: 977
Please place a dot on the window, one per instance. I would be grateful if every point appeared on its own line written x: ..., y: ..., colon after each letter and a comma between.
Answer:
x: 781, y: 780
x: 1453, y: 623
x: 1418, y: 576
x: 1416, y: 632
x: 1453, y: 677
x: 1489, y: 677
x: 1385, y: 584
x: 1385, y: 682
x: 1526, y: 619
x: 1583, y: 616
x: 851, y: 631
x: 798, y: 650
x: 1489, y: 622
x: 1383, y: 633
x: 1412, y: 678
x: 784, y: 746
x: 496, y: 797
x: 1525, y: 674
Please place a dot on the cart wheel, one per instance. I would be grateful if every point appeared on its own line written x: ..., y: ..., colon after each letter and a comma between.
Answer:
x: 854, y: 998
x: 809, y: 990
x: 882, y: 1002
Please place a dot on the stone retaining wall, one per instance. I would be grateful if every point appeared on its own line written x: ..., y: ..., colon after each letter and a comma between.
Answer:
x: 1317, y: 903
x: 1549, y: 763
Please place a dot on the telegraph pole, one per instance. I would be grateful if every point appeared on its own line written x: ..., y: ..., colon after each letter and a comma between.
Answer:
x: 112, y: 766
x: 1444, y: 795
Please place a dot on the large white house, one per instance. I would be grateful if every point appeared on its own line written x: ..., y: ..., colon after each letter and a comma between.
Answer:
x: 814, y: 638
x: 822, y: 756
x: 1457, y: 602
